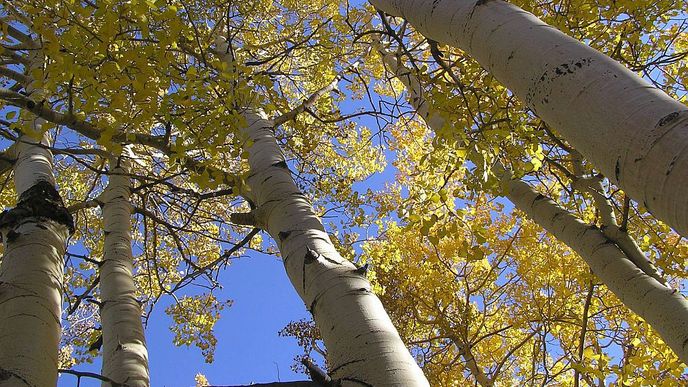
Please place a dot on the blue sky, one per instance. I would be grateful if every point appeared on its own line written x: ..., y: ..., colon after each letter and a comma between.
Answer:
x: 248, y: 350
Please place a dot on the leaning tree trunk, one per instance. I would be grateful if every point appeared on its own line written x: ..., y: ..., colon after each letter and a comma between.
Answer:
x: 363, y: 347
x: 663, y: 308
x: 632, y: 132
x: 125, y: 358
x: 31, y: 276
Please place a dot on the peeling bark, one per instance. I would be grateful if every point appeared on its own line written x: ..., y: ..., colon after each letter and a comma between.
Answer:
x: 125, y: 357
x: 364, y: 348
x: 630, y: 130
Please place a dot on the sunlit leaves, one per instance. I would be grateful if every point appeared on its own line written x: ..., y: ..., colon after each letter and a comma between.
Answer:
x: 457, y: 270
x: 194, y: 319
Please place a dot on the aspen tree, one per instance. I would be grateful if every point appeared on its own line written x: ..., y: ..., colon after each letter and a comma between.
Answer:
x: 363, y: 346
x: 634, y: 133
x: 35, y: 233
x: 662, y: 307
x: 125, y: 357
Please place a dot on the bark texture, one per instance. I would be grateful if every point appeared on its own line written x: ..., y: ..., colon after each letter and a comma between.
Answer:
x: 364, y: 348
x: 31, y: 274
x: 125, y: 358
x: 634, y: 133
x: 633, y: 282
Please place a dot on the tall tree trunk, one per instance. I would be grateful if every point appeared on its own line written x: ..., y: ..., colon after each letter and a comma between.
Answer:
x: 363, y: 346
x: 663, y: 308
x: 31, y: 276
x: 125, y: 358
x: 634, y: 133
x: 35, y: 234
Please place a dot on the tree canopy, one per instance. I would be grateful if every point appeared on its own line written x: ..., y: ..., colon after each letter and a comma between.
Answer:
x: 409, y: 149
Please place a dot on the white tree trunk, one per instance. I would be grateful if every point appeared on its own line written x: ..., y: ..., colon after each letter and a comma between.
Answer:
x: 666, y: 310
x: 634, y: 133
x: 364, y: 348
x: 663, y: 308
x: 31, y: 276
x: 125, y: 357
x: 35, y: 234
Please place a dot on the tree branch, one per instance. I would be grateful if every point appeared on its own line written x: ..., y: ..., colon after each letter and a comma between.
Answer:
x: 276, y: 384
x: 15, y: 76
x: 83, y: 374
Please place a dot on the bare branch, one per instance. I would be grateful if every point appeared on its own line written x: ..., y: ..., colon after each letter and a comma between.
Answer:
x: 83, y: 374
x: 15, y: 76
x: 318, y: 375
x: 20, y: 36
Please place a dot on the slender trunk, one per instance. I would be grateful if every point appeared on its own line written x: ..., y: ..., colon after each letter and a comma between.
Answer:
x: 634, y: 133
x: 666, y: 310
x: 584, y: 331
x: 125, y: 358
x: 35, y: 234
x: 610, y: 226
x: 663, y: 308
x: 480, y: 377
x: 363, y: 346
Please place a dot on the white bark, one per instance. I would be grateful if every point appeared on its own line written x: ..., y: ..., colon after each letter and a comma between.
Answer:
x: 35, y: 234
x: 363, y: 346
x: 610, y: 227
x: 634, y: 133
x: 31, y: 277
x: 664, y: 309
x: 125, y: 357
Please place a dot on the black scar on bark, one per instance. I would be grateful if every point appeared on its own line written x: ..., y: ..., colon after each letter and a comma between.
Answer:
x: 311, y: 256
x: 282, y: 235
x: 40, y: 201
x: 362, y: 271
x: 311, y: 308
x: 6, y: 375
x: 281, y: 164
x: 12, y: 236
x: 667, y: 119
